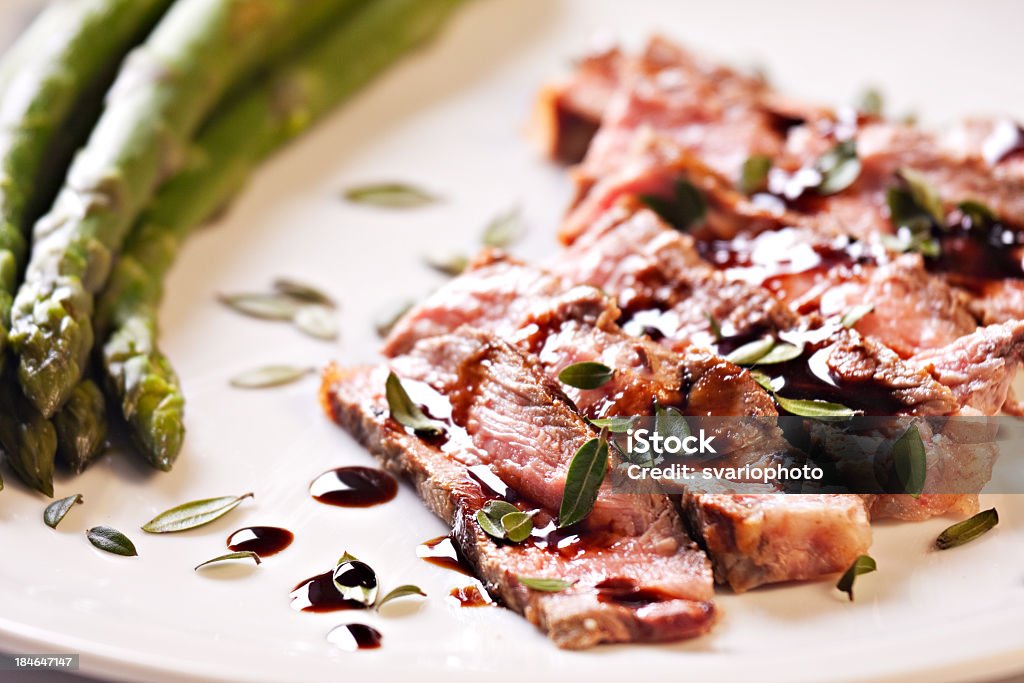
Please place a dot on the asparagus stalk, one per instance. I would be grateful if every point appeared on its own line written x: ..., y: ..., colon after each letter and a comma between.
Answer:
x: 50, y: 75
x: 68, y: 48
x: 25, y: 434
x: 167, y: 86
x: 293, y: 98
x: 81, y: 426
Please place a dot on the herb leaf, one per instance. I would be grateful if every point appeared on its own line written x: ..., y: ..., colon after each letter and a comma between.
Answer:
x: 781, y: 353
x: 751, y: 352
x: 814, y: 408
x: 923, y: 193
x: 517, y: 525
x: 389, y: 195
x: 448, y: 263
x: 910, y: 460
x: 854, y: 315
x: 262, y: 306
x: 967, y: 530
x: 586, y: 375
x: 870, y: 102
x: 504, y: 230
x: 317, y: 321
x: 763, y: 380
x: 687, y: 209
x: 544, y: 585
x: 615, y: 425
x: 386, y: 321
x: 864, y: 564
x: 716, y: 328
x: 491, y: 518
x: 56, y: 510
x: 839, y: 168
x: 111, y: 540
x: 299, y: 291
x: 269, y: 376
x: 193, y: 514
x: 583, y: 481
x: 754, y: 174
x: 404, y: 411
x: 240, y: 555
x: 400, y: 592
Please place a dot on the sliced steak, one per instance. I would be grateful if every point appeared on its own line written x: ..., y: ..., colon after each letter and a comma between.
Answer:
x: 748, y: 546
x: 637, y: 576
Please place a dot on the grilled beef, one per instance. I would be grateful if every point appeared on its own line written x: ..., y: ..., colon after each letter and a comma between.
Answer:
x: 669, y: 103
x: 780, y: 538
x: 637, y: 575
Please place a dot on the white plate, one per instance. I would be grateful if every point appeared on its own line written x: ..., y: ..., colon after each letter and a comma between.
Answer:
x: 452, y: 120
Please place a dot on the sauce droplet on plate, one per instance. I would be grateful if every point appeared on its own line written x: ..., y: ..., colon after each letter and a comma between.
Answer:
x: 262, y: 540
x: 441, y: 551
x: 355, y: 487
x: 352, y: 637
x: 319, y: 594
x: 470, y: 596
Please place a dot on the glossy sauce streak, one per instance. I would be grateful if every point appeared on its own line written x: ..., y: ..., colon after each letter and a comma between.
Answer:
x: 319, y: 594
x: 352, y: 637
x: 262, y: 540
x: 626, y: 592
x: 441, y: 551
x: 470, y: 596
x: 356, y: 487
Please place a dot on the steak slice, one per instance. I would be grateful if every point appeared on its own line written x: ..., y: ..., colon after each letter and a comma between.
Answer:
x: 636, y: 574
x: 668, y: 102
x: 750, y: 545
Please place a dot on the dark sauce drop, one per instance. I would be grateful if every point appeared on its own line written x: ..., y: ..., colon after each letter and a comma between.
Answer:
x: 354, y: 487
x: 626, y: 592
x: 441, y: 551
x: 319, y: 594
x: 352, y: 637
x: 262, y: 540
x: 470, y: 596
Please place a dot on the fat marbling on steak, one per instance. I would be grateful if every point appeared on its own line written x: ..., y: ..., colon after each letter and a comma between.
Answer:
x: 636, y: 576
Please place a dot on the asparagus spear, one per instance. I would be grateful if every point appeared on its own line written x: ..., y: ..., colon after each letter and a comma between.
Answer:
x: 295, y: 96
x: 167, y: 86
x: 81, y: 426
x: 68, y: 48
x: 46, y: 78
x: 24, y: 435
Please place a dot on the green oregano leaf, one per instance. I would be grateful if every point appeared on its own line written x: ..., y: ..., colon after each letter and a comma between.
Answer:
x: 751, y: 352
x: 781, y: 352
x: 240, y: 555
x: 307, y: 294
x: 517, y: 525
x: 111, y: 540
x: 967, y: 530
x: 583, y: 481
x: 814, y: 408
x: 615, y: 425
x: 754, y: 174
x: 855, y: 314
x: 404, y: 411
x: 504, y: 230
x: 270, y: 376
x: 586, y: 375
x: 910, y: 461
x: 56, y: 510
x: 839, y: 168
x: 391, y: 195
x: 400, y: 592
x: 686, y: 209
x: 545, y: 585
x: 193, y: 514
x: 864, y: 564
